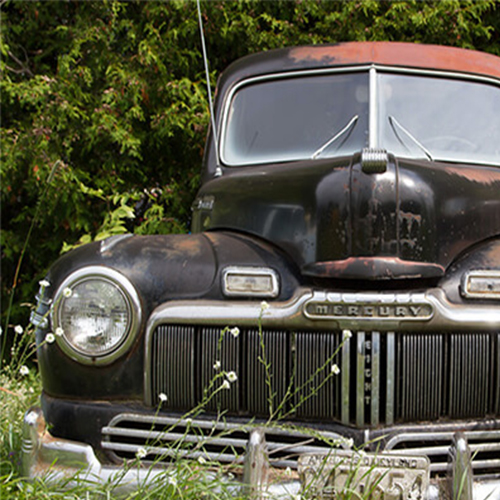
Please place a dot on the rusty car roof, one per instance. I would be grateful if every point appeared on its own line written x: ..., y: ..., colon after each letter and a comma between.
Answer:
x: 409, y: 55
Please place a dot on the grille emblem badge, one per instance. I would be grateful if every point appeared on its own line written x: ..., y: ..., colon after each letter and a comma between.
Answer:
x: 339, y: 309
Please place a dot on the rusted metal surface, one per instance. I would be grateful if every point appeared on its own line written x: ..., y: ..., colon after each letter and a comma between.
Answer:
x: 374, y: 268
x: 400, y: 54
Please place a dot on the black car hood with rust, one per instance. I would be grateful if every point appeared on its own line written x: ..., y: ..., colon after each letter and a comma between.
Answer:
x: 337, y: 221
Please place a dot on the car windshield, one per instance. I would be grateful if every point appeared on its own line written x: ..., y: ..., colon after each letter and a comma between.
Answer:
x: 297, y: 118
x: 439, y: 118
x: 312, y: 117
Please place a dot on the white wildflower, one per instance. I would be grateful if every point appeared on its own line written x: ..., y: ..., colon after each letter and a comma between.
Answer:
x: 346, y: 334
x: 349, y: 442
x: 44, y: 283
x: 49, y: 338
x: 18, y: 329
x: 225, y: 385
x: 264, y: 305
x: 189, y: 421
x: 67, y: 292
x: 232, y: 377
x: 141, y: 453
x: 201, y: 460
x: 24, y: 370
x: 335, y: 369
x: 217, y: 365
x: 288, y: 471
x: 59, y: 332
x: 235, y: 331
x: 172, y: 481
x: 162, y: 397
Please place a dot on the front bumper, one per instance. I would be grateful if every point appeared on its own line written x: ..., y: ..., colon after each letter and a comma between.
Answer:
x: 55, y: 459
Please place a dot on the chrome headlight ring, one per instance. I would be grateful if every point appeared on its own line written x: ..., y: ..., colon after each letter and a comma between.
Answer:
x: 96, y: 315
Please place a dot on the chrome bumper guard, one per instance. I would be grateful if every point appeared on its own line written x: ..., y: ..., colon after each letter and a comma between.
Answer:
x: 54, y: 459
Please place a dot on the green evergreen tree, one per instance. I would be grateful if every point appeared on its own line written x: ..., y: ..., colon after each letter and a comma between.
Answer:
x: 104, y: 106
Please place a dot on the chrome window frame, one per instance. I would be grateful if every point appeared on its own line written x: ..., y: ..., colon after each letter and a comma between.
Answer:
x: 373, y: 70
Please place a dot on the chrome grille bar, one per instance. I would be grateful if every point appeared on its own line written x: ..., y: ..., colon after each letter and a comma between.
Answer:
x: 360, y: 380
x: 390, y: 374
x: 385, y: 377
x: 345, y: 380
x: 375, y: 379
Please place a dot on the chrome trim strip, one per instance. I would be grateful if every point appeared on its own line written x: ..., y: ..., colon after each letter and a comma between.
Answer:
x: 346, y: 377
x: 404, y: 437
x: 109, y: 243
x: 375, y: 379
x: 212, y: 425
x: 251, y: 271
x: 360, y: 380
x: 167, y: 451
x: 391, y: 378
x: 435, y: 72
x: 133, y: 303
x: 373, y: 139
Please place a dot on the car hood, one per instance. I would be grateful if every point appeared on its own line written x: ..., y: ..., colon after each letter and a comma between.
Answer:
x: 336, y: 221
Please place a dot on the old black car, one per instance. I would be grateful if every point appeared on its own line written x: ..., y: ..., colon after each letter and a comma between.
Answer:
x: 337, y: 304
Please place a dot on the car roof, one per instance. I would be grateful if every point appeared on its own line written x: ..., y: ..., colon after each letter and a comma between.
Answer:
x: 409, y: 55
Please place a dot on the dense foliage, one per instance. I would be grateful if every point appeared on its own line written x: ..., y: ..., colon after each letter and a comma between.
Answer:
x: 104, y: 106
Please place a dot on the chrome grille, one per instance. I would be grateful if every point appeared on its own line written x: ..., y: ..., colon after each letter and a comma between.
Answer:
x: 212, y: 347
x: 385, y: 377
x: 318, y: 393
x: 484, y: 446
x: 172, y: 365
x: 267, y: 356
x: 470, y: 375
x: 166, y: 439
x: 421, y: 375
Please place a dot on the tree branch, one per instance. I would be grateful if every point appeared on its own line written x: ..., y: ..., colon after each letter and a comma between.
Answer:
x: 23, y: 66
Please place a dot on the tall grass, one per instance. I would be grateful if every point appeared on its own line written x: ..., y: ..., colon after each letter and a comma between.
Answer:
x: 20, y: 389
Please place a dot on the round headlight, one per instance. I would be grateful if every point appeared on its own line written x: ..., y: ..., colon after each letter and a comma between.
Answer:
x: 96, y: 315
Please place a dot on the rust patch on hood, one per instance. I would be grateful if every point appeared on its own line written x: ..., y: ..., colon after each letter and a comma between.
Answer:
x: 486, y: 176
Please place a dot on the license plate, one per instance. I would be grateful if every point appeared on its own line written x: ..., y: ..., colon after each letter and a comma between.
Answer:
x: 357, y: 475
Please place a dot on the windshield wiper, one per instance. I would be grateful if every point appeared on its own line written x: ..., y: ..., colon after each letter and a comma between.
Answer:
x: 347, y: 128
x: 394, y: 122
